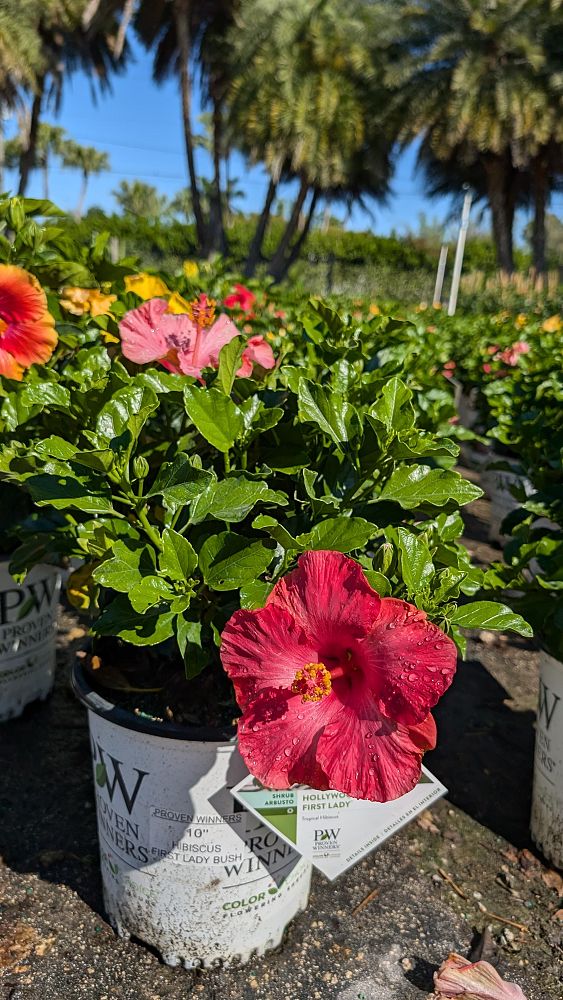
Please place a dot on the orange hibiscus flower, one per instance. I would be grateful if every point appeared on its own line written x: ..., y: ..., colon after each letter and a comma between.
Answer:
x: 27, y: 329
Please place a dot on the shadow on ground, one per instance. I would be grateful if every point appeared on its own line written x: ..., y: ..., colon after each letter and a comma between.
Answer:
x: 485, y: 751
x: 47, y: 809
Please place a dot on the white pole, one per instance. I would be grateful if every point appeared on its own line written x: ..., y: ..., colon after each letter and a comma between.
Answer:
x: 437, y: 300
x: 459, y: 252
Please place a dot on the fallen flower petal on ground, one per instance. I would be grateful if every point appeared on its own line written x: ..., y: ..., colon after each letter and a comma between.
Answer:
x: 457, y: 977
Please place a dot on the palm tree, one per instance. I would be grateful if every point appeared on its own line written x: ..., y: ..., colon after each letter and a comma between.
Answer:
x: 65, y: 45
x: 50, y: 141
x: 476, y: 74
x: 141, y: 200
x: 88, y: 160
x: 303, y: 102
x: 181, y: 32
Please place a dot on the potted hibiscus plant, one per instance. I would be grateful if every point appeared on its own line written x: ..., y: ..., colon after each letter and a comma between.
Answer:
x: 44, y: 361
x: 532, y: 572
x: 269, y: 548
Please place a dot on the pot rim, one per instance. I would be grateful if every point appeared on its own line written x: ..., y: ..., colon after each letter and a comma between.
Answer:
x: 123, y: 717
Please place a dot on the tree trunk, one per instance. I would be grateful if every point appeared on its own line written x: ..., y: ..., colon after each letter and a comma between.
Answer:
x: 126, y: 15
x: 82, y: 195
x: 46, y: 177
x: 497, y: 191
x: 216, y: 238
x: 540, y: 193
x: 27, y: 158
x: 181, y: 20
x: 277, y: 263
x: 255, y: 250
x: 297, y: 246
x: 2, y: 155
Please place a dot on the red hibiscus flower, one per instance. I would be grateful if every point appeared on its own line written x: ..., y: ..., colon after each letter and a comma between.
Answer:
x: 335, y: 682
x: 242, y: 299
x: 27, y: 329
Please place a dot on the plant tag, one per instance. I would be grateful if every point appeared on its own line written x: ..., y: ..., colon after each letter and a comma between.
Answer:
x: 330, y: 829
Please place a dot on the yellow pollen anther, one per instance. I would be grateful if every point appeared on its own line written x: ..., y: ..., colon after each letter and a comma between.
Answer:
x: 202, y: 311
x: 312, y: 682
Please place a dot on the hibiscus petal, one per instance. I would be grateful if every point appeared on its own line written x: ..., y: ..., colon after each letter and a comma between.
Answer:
x: 30, y: 343
x: 141, y: 338
x: 457, y: 977
x: 245, y: 370
x: 373, y: 759
x: 22, y: 300
x: 329, y: 596
x: 263, y: 649
x: 9, y: 367
x: 412, y: 656
x: 259, y: 352
x: 149, y: 333
x: 278, y: 736
x: 212, y: 340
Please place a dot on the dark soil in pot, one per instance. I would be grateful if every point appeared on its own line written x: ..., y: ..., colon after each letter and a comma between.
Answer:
x: 150, y: 681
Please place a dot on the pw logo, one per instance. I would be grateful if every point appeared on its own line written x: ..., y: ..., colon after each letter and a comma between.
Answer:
x: 548, y: 704
x: 109, y: 773
x: 326, y: 835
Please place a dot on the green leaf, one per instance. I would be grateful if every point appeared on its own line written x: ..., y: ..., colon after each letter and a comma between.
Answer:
x: 228, y: 561
x: 128, y: 409
x: 343, y: 534
x: 101, y: 775
x: 412, y: 486
x: 327, y: 409
x: 215, y: 415
x: 47, y: 394
x: 417, y: 567
x: 126, y: 566
x: 379, y: 582
x: 120, y: 619
x: 229, y: 363
x: 231, y: 499
x: 254, y: 595
x: 149, y: 592
x: 91, y: 496
x: 282, y: 536
x: 394, y: 408
x: 179, y: 482
x: 189, y: 638
x: 178, y: 558
x: 490, y: 615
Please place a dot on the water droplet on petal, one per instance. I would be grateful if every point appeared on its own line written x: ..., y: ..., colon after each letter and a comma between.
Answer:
x: 445, y: 670
x: 295, y: 741
x: 287, y: 751
x: 412, y: 677
x: 391, y: 625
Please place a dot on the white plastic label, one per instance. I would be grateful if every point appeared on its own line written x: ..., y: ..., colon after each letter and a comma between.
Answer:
x: 330, y: 829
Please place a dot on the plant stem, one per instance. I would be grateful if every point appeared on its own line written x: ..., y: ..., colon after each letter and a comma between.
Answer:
x: 151, y: 532
x: 227, y: 462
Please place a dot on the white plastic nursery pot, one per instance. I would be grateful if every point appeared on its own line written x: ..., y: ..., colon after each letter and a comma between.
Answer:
x: 185, y: 868
x: 496, y: 484
x: 547, y: 799
x: 27, y: 637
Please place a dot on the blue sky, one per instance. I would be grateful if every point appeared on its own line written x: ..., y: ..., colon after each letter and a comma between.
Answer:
x: 139, y: 125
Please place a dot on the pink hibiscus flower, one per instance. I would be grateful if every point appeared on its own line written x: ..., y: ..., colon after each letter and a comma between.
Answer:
x: 511, y: 355
x: 335, y: 682
x: 242, y: 298
x: 457, y: 977
x: 187, y: 342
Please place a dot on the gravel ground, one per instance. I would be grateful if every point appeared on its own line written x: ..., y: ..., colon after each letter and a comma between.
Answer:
x: 377, y: 933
